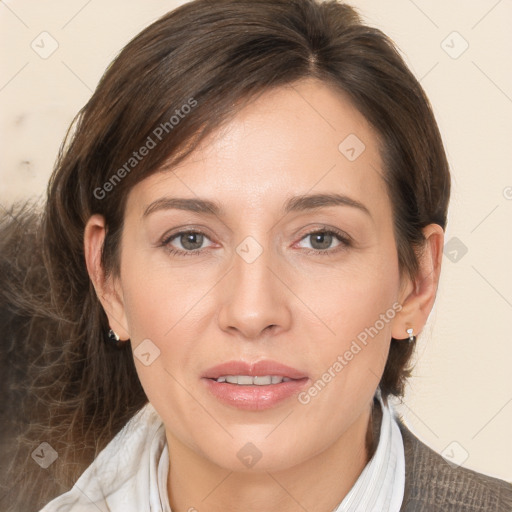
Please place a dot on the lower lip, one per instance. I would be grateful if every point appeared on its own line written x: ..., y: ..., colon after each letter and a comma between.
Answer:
x: 254, y: 398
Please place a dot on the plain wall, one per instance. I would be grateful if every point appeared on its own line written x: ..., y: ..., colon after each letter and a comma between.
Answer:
x: 459, y: 400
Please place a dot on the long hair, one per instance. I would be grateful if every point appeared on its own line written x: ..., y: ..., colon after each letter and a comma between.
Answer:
x: 176, y: 82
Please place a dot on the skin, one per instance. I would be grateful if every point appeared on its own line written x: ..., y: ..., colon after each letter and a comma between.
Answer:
x: 211, y: 307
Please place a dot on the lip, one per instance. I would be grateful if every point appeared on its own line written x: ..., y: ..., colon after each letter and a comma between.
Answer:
x: 259, y: 368
x: 254, y: 398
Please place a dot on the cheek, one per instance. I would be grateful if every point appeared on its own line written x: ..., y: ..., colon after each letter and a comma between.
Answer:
x: 351, y: 298
x: 357, y: 308
x: 159, y: 308
x: 158, y: 297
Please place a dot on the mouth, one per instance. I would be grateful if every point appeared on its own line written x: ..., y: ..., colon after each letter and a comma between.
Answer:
x: 248, y: 380
x: 254, y: 386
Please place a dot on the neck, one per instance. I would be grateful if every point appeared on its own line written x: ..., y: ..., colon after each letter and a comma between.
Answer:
x: 319, y: 484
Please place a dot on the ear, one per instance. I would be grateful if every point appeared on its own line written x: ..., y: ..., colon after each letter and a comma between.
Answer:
x: 418, y: 295
x: 108, y: 289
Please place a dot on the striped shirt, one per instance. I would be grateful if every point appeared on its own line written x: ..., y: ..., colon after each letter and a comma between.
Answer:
x: 380, y: 486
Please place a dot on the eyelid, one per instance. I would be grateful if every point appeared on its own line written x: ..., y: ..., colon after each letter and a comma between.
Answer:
x: 344, y: 238
x: 168, y: 238
x: 326, y: 229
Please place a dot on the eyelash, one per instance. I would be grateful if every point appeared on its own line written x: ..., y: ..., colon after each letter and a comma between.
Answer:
x: 340, y: 235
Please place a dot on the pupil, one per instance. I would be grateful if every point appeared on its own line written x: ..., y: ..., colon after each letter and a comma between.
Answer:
x: 323, y: 237
x: 189, y: 239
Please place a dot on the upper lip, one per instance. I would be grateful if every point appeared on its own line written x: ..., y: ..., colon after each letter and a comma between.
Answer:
x: 254, y: 369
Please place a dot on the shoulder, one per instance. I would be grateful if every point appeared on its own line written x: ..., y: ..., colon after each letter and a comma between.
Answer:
x: 432, y: 484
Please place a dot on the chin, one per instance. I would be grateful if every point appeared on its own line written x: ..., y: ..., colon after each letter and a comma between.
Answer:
x: 255, y: 454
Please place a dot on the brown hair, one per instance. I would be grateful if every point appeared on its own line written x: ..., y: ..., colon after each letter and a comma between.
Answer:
x: 213, y: 56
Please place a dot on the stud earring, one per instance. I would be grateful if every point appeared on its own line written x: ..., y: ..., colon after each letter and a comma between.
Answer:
x: 412, y: 338
x: 112, y: 336
x: 113, y: 339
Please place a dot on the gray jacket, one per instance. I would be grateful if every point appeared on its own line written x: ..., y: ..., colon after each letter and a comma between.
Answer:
x: 433, y: 485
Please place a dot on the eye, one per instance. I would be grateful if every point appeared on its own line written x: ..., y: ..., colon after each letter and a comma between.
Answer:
x: 190, y: 241
x: 322, y: 240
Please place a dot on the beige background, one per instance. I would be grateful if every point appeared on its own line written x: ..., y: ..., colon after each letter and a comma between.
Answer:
x: 460, y: 398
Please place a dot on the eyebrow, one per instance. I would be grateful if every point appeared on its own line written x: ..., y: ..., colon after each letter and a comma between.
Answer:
x: 293, y: 204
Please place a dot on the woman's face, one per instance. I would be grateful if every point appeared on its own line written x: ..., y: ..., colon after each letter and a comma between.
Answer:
x: 256, y: 285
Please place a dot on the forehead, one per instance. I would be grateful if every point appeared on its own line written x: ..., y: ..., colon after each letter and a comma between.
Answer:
x: 293, y: 140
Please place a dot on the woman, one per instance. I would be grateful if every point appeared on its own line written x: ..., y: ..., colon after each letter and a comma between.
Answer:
x: 242, y: 240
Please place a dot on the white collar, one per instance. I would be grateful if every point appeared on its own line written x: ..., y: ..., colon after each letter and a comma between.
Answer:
x: 130, y: 471
x: 380, y: 486
x: 134, y: 467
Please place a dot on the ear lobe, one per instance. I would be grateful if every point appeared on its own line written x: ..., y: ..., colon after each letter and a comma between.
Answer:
x: 420, y: 294
x: 108, y: 295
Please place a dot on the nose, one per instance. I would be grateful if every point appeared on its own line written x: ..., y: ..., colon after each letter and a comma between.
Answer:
x: 255, y: 298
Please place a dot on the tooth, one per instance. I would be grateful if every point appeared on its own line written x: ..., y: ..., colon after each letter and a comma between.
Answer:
x: 263, y: 380
x: 247, y: 380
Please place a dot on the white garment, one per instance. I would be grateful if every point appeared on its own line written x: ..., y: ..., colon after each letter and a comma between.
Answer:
x: 380, y: 486
x: 128, y: 475
x: 131, y: 472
